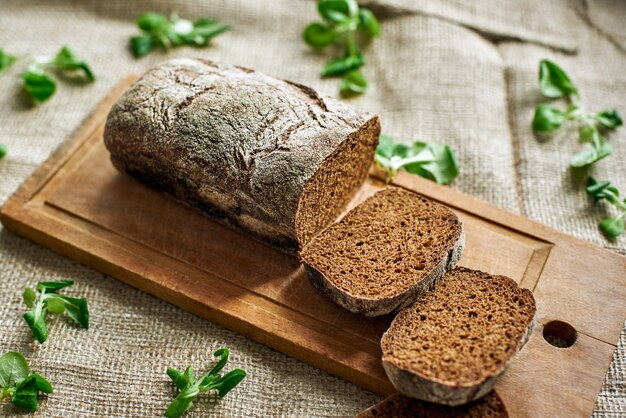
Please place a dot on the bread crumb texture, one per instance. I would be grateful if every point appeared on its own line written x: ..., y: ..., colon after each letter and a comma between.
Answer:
x: 385, y: 245
x: 463, y: 332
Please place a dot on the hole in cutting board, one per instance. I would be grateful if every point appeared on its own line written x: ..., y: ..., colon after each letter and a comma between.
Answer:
x: 559, y: 334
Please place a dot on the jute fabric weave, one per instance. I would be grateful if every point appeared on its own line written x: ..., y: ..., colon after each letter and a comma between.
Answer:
x: 458, y: 72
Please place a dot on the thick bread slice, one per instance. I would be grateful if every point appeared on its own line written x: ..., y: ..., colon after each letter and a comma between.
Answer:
x: 400, y: 406
x: 269, y: 157
x: 452, y: 345
x: 385, y: 253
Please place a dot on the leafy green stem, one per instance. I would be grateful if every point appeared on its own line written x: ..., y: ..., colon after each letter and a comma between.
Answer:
x: 341, y: 20
x: 555, y: 83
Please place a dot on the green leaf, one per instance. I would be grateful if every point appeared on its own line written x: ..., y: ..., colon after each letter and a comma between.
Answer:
x: 601, y: 190
x: 353, y: 83
x: 37, y: 324
x: 548, y: 118
x: 16, y: 383
x: 222, y: 354
x: 3, y: 151
x: 612, y: 227
x: 592, y: 155
x: 49, y: 287
x: 77, y: 309
x: 442, y: 167
x: 42, y: 384
x: 150, y: 21
x: 29, y: 297
x: 167, y: 33
x: 610, y: 119
x: 588, y: 133
x: 67, y: 62
x: 178, y: 378
x: 190, y: 389
x: 340, y: 66
x: 229, y: 381
x: 318, y: 35
x: 13, y: 369
x: 554, y: 82
x: 38, y: 85
x: 368, y: 22
x: 55, y: 304
x: 182, y: 403
x: 141, y: 45
x: 188, y: 377
x: 337, y: 11
x: 6, y: 60
x: 25, y: 396
x: 386, y: 145
x: 203, y: 31
x: 430, y: 160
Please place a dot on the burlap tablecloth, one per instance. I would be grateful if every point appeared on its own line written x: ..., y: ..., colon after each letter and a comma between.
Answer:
x: 459, y: 72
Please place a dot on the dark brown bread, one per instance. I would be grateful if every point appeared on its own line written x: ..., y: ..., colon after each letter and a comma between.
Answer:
x: 385, y: 253
x: 400, y: 406
x: 452, y: 345
x: 269, y: 157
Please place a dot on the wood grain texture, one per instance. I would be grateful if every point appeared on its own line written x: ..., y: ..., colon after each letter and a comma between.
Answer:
x: 79, y: 205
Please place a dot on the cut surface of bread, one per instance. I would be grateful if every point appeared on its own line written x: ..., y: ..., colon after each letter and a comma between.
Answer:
x: 451, y: 346
x: 385, y: 253
x: 400, y: 406
x: 336, y: 181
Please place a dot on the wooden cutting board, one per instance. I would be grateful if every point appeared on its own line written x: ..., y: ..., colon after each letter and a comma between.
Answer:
x: 77, y: 204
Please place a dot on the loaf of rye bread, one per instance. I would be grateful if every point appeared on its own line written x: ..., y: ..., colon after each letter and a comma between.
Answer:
x: 400, y: 406
x: 270, y: 157
x: 452, y: 345
x: 386, y: 253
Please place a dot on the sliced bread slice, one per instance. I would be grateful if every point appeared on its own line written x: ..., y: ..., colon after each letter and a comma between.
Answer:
x: 385, y: 253
x: 398, y: 406
x: 452, y: 345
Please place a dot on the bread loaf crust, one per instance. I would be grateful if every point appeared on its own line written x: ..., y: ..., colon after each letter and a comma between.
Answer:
x: 238, y: 145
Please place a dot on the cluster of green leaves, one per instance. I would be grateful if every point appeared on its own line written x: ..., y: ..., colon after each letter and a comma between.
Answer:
x: 18, y: 385
x: 161, y: 31
x: 611, y: 226
x: 342, y: 19
x: 3, y: 151
x: 430, y: 160
x: 40, y: 85
x: 190, y: 387
x: 45, y: 299
x: 555, y: 84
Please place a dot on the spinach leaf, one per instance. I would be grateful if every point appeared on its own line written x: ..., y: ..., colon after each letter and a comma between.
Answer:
x: 554, y: 82
x: 44, y: 299
x: 190, y: 388
x: 430, y: 160
x: 166, y: 33
x: 341, y: 21
x: 40, y: 86
x: 17, y: 385
x: 611, y: 226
